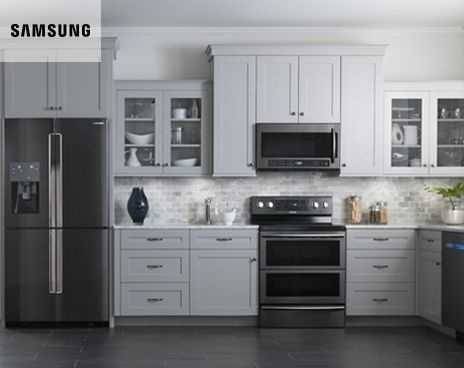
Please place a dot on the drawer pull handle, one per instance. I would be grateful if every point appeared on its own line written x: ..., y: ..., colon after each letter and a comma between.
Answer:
x: 430, y: 240
x: 152, y: 267
x: 380, y: 300
x: 381, y: 239
x: 154, y: 300
x: 154, y: 239
x: 223, y: 239
x: 380, y: 267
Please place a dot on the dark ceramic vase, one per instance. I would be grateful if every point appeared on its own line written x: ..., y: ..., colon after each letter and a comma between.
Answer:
x: 137, y: 206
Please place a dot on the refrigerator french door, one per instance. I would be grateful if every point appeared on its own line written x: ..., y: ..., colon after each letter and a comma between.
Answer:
x: 57, y: 224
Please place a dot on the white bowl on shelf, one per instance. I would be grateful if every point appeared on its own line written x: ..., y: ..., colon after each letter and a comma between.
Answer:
x: 140, y: 139
x: 186, y: 162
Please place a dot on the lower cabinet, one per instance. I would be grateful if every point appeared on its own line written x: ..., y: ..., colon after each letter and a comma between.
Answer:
x: 429, y: 276
x: 223, y: 282
x: 181, y: 272
x: 381, y: 275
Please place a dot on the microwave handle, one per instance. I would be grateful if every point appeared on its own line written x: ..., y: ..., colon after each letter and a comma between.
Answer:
x: 334, y: 145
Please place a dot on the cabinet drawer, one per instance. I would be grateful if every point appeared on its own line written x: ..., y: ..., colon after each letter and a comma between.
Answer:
x: 155, y: 299
x: 381, y: 265
x: 224, y: 239
x: 430, y: 240
x: 154, y: 265
x: 154, y: 239
x: 380, y: 239
x: 387, y: 299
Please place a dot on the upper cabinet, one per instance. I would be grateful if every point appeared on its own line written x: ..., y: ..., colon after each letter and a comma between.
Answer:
x: 59, y: 89
x: 234, y: 115
x: 319, y: 89
x: 424, y: 129
x: 303, y: 89
x: 277, y: 89
x: 297, y: 84
x: 362, y: 119
x: 162, y: 128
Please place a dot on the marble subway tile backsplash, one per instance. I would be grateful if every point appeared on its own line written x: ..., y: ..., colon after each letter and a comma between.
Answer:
x: 179, y: 200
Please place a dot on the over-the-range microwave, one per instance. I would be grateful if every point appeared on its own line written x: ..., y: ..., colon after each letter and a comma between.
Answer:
x: 290, y: 146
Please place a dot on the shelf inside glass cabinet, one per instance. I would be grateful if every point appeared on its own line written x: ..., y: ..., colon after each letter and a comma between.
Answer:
x: 186, y: 128
x: 139, y: 132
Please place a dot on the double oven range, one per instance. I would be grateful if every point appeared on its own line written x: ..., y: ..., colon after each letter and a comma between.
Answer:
x: 302, y: 258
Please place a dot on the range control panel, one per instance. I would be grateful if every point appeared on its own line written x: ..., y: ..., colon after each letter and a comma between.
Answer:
x: 291, y: 205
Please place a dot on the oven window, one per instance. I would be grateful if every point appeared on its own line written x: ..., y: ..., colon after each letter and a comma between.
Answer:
x: 302, y: 284
x: 294, y: 145
x: 303, y: 252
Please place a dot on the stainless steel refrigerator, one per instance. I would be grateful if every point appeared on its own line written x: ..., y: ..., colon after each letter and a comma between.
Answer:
x: 56, y: 221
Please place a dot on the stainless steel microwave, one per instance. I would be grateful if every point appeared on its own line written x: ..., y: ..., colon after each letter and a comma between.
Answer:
x: 297, y: 146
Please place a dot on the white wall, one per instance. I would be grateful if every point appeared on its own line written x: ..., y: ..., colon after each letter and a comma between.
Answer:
x: 178, y: 53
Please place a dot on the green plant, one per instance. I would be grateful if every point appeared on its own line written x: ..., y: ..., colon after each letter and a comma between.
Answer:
x: 452, y: 194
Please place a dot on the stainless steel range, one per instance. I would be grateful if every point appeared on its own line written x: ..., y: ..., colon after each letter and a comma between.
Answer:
x: 302, y: 262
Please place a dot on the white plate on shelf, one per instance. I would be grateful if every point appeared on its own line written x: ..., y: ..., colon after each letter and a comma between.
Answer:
x: 186, y: 162
x: 140, y: 139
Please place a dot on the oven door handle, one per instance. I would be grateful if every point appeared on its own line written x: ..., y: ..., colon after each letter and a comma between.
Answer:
x: 303, y: 236
x: 302, y: 307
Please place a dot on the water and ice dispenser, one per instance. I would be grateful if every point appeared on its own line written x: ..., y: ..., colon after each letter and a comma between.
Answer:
x: 24, y: 182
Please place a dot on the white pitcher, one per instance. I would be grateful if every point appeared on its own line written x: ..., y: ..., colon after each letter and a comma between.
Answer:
x: 132, y: 160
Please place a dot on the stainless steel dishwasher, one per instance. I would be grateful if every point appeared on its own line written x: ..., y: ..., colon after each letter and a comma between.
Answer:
x: 452, y: 281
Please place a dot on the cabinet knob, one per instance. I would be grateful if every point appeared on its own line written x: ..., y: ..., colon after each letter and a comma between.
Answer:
x: 51, y: 108
x: 425, y: 165
x: 293, y: 113
x: 432, y: 165
x: 437, y: 263
x: 165, y: 164
x: 252, y: 260
x: 250, y: 164
x: 301, y: 113
x: 158, y: 164
x: 343, y: 165
x: 60, y: 108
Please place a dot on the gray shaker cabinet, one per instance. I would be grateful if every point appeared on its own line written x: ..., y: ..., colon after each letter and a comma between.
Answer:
x: 362, y: 116
x: 58, y: 89
x: 81, y: 87
x: 223, y: 282
x: 30, y: 89
x: 429, y: 275
x: 234, y: 115
x: 163, y: 128
x: 298, y: 89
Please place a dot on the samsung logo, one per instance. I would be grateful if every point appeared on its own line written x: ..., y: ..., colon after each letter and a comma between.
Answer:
x: 50, y: 30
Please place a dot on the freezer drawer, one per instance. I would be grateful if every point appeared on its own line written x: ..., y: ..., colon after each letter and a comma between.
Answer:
x: 27, y: 266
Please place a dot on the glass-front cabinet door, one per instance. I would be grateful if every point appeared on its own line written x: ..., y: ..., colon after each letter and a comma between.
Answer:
x: 407, y: 146
x: 184, y: 136
x: 447, y: 133
x: 138, y: 143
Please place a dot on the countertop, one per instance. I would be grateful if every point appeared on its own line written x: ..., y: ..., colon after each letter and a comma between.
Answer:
x: 185, y: 226
x: 439, y: 227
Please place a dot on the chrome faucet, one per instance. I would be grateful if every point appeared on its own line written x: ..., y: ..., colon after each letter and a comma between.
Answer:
x: 208, y: 209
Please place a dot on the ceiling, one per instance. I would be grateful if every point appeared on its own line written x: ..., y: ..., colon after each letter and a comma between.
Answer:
x: 283, y: 13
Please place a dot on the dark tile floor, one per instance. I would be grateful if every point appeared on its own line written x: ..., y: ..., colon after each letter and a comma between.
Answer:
x: 229, y: 347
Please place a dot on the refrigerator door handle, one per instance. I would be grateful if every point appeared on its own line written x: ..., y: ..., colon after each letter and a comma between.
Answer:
x: 59, y: 262
x: 59, y: 181
x: 51, y: 181
x: 59, y: 214
x: 52, y: 261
